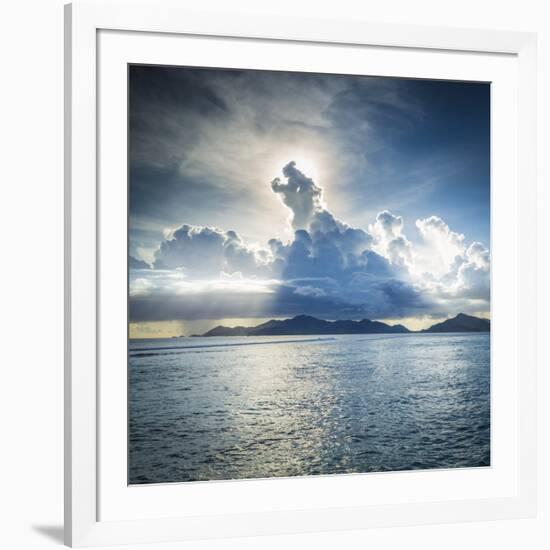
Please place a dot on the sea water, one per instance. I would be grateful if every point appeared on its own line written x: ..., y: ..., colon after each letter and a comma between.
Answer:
x: 256, y: 407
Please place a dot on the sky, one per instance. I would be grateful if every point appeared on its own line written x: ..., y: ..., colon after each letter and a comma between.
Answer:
x: 260, y: 194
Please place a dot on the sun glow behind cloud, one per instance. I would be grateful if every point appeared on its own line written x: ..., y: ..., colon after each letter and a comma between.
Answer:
x: 309, y: 162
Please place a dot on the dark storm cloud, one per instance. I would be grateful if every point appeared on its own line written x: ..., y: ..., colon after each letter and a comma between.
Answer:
x: 378, y: 299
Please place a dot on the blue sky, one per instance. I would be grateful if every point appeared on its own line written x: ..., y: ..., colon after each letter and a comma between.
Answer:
x: 382, y: 211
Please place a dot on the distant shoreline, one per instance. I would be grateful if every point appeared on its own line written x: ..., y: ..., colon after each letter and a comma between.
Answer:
x: 305, y: 325
x: 410, y: 333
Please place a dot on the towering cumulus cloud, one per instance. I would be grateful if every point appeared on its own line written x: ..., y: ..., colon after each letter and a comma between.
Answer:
x: 328, y: 268
x: 300, y: 194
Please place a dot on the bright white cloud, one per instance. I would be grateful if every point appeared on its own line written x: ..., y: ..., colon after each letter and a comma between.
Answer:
x: 389, y: 240
x: 473, y: 278
x: 440, y: 250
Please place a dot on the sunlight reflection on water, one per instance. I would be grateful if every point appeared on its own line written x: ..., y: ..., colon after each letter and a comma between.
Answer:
x: 306, y: 405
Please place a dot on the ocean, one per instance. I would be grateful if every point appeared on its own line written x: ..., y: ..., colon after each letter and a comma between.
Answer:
x: 277, y: 406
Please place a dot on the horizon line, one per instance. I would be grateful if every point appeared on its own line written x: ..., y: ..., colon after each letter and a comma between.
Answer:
x: 435, y: 322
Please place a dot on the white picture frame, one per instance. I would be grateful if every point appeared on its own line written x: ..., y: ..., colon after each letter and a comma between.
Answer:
x: 87, y: 521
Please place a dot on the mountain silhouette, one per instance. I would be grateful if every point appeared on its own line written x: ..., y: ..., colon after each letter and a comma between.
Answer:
x: 461, y: 323
x: 305, y: 324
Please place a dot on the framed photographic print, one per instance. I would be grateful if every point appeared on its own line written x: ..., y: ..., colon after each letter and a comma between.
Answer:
x: 295, y: 293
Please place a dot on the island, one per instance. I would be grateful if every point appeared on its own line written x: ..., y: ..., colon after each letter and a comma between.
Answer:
x: 307, y: 325
x: 462, y: 323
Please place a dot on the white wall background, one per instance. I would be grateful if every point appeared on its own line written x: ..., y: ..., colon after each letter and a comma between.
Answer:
x: 31, y: 275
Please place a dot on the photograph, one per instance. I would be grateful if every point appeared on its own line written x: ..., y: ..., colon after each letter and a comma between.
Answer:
x: 309, y: 274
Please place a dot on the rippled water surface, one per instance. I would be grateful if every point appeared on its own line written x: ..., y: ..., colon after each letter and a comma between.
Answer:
x: 227, y: 408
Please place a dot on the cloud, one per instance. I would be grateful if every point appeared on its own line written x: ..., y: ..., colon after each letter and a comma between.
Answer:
x: 328, y: 268
x: 440, y: 249
x: 208, y: 251
x: 473, y: 277
x: 134, y: 263
x: 478, y: 256
x: 387, y: 227
x: 308, y: 212
x: 300, y: 194
x: 389, y: 240
x: 322, y: 245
